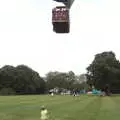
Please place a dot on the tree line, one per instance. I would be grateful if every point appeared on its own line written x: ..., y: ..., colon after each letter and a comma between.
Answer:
x: 24, y: 80
x: 103, y: 71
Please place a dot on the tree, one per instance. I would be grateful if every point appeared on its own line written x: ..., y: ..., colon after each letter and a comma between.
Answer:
x: 81, y: 78
x: 21, y: 79
x: 7, y: 76
x: 80, y: 82
x: 104, y: 70
x: 71, y: 78
x: 65, y: 80
x: 29, y: 81
x: 56, y: 79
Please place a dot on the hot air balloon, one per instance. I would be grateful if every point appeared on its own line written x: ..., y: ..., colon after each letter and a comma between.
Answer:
x: 60, y: 17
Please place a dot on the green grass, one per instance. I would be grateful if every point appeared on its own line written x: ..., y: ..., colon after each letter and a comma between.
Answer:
x: 60, y: 107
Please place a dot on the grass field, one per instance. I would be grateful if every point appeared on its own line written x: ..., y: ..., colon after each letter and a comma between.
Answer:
x: 60, y: 107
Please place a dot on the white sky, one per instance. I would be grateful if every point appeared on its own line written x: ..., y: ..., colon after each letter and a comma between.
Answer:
x: 26, y: 35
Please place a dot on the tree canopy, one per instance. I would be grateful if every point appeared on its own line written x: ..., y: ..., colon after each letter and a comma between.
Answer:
x: 21, y: 79
x: 104, y: 70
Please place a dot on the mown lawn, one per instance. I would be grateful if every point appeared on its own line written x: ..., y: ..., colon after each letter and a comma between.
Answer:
x: 60, y: 107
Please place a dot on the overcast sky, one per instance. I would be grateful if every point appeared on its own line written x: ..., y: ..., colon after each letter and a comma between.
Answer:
x: 26, y: 35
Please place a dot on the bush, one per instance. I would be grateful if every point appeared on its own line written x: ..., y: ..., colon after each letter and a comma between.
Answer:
x: 7, y: 91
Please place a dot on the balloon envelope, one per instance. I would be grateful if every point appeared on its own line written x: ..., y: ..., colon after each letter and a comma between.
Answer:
x: 68, y: 3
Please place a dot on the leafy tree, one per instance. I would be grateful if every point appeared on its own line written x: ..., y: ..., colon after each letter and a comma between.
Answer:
x: 56, y: 79
x: 65, y: 80
x: 7, y: 76
x: 71, y: 78
x: 29, y: 80
x: 104, y: 70
x: 21, y: 79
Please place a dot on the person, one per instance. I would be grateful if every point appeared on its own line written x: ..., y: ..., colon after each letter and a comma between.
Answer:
x: 52, y: 94
x: 44, y: 113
